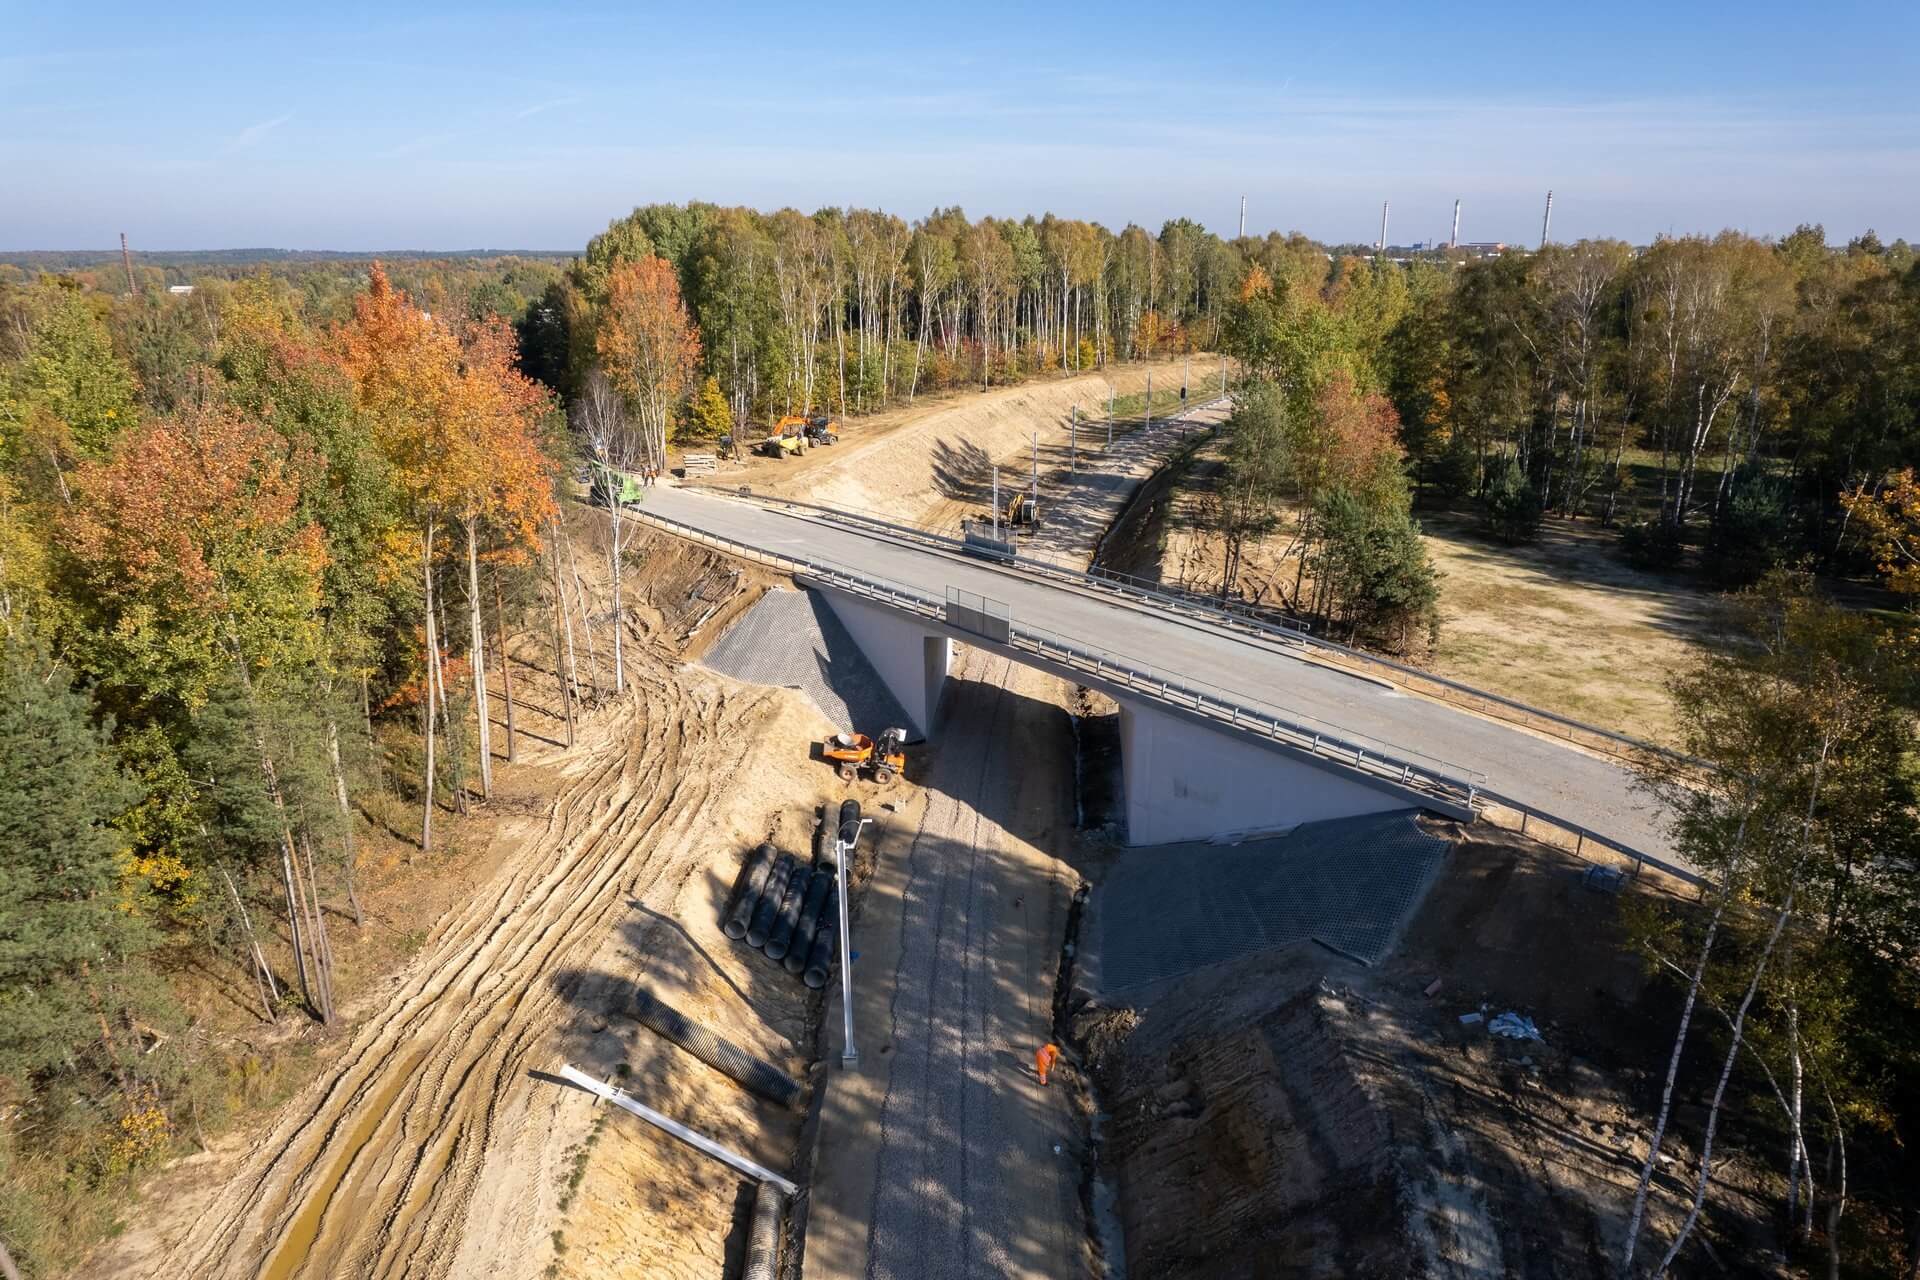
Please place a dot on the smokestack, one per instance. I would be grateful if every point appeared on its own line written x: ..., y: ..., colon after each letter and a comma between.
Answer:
x: 1455, y: 242
x: 126, y: 260
x: 1243, y: 217
x: 1383, y: 226
x: 1546, y: 220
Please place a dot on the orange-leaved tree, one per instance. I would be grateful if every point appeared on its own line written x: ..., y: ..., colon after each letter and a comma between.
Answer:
x: 198, y: 558
x: 648, y: 346
x: 459, y: 425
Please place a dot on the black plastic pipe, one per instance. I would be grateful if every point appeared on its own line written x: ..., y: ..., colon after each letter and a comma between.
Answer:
x: 763, y: 1078
x: 765, y: 914
x: 818, y: 891
x: 780, y: 941
x: 820, y: 954
x: 759, y: 863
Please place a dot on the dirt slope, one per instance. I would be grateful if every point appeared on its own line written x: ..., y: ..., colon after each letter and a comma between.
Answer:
x: 427, y: 1147
x: 914, y: 472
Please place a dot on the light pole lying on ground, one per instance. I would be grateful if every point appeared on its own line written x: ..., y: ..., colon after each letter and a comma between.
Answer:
x: 843, y: 850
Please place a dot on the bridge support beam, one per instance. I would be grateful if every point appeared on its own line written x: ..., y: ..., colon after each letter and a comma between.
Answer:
x: 911, y: 660
x: 1185, y: 781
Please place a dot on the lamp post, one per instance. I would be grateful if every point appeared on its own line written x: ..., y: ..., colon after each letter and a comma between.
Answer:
x: 842, y: 850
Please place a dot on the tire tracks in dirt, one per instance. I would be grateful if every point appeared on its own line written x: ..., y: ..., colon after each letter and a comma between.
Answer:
x: 426, y: 1149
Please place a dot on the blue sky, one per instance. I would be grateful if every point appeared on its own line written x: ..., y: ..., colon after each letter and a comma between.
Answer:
x: 481, y: 125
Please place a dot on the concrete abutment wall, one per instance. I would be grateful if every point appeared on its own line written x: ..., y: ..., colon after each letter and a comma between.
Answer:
x: 911, y: 660
x: 1185, y: 781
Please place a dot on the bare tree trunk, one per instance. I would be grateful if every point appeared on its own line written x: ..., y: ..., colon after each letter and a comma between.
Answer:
x: 1638, y: 1216
x: 262, y: 974
x: 294, y: 914
x: 563, y: 676
x: 506, y: 663
x: 426, y: 809
x: 477, y: 654
x: 1720, y: 1089
x: 350, y: 852
x: 1837, y: 1206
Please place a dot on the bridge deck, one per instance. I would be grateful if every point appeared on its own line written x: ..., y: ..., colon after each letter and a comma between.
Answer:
x: 1534, y: 771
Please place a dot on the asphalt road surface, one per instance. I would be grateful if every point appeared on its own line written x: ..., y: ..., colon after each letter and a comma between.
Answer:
x: 1561, y: 780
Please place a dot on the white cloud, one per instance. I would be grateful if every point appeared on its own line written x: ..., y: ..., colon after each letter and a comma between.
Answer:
x: 254, y: 132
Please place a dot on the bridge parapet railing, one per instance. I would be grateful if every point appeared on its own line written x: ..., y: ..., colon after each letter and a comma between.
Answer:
x: 1460, y: 787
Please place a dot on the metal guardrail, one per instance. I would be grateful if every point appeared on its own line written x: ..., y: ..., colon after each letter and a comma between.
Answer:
x: 1464, y: 788
x: 1413, y: 770
x: 1246, y: 621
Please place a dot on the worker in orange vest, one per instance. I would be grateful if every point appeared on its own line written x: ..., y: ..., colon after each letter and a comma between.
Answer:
x: 1044, y: 1058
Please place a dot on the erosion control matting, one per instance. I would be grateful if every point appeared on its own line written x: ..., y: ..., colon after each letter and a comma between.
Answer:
x: 1170, y: 909
x: 793, y: 640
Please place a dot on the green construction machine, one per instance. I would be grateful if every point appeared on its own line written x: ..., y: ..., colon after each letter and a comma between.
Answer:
x: 610, y: 487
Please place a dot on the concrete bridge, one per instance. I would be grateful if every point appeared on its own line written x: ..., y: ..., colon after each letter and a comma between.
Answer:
x: 1222, y: 729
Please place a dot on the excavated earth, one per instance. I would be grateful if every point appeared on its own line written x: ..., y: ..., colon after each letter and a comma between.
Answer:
x: 432, y: 1144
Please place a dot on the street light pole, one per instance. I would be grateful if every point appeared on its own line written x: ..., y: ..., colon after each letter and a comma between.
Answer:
x: 843, y: 850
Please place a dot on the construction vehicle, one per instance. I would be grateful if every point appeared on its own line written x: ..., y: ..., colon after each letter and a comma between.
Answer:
x: 855, y: 753
x: 784, y: 441
x: 1019, y: 510
x: 820, y: 431
x: 611, y: 487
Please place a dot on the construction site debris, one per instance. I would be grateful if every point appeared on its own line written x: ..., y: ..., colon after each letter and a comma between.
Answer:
x: 1514, y: 1026
x: 621, y: 1099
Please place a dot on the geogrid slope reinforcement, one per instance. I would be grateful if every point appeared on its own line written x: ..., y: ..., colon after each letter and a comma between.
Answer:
x: 1348, y: 884
x: 791, y: 639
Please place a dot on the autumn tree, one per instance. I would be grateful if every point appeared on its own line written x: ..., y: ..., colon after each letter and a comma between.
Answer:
x: 648, y: 347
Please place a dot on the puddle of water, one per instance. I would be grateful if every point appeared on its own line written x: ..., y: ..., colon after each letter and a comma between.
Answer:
x: 297, y: 1243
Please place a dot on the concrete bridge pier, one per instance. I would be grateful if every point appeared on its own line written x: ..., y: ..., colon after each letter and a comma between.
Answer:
x: 1186, y: 781
x: 912, y: 660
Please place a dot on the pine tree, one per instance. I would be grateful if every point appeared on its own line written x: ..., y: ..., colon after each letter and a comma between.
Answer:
x: 63, y: 938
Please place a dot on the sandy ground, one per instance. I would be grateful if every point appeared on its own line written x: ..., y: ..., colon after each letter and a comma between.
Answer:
x: 932, y: 464
x: 1564, y: 624
x: 428, y: 1146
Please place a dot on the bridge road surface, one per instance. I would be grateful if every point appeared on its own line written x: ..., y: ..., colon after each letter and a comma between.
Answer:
x: 1552, y: 777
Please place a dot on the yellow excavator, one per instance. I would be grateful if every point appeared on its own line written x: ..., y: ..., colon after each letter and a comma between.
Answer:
x: 855, y: 753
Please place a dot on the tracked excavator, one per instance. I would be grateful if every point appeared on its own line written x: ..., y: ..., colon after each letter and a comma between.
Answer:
x: 852, y: 754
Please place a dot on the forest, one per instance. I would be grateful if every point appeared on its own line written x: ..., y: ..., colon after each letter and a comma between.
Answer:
x: 260, y: 543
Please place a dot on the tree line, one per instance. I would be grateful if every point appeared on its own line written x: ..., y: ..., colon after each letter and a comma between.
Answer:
x: 853, y: 310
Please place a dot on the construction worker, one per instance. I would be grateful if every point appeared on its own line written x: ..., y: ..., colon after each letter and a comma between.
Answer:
x: 1043, y: 1059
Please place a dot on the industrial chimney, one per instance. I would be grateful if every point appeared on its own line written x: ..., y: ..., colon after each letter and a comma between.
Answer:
x: 1383, y: 226
x: 1243, y: 217
x: 1454, y: 243
x: 1546, y: 220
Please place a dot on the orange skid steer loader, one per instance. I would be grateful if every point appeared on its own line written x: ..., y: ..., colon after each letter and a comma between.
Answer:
x: 854, y: 753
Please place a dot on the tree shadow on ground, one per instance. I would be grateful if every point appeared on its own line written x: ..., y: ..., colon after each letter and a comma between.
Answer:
x: 962, y: 472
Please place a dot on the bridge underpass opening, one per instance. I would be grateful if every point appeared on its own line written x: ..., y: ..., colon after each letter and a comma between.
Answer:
x: 1182, y: 778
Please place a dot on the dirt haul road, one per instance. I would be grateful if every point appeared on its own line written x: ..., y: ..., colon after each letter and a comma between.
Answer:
x: 426, y: 1148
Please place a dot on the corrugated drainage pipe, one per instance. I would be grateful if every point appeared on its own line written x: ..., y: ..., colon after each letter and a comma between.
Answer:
x: 820, y: 954
x: 763, y: 1078
x: 849, y: 818
x: 810, y: 916
x: 763, y: 1245
x: 759, y: 863
x: 780, y: 941
x: 770, y: 898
